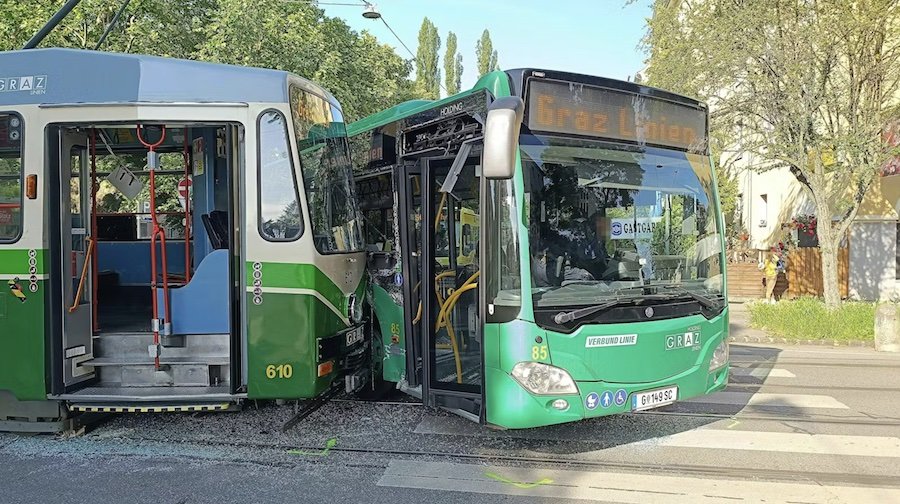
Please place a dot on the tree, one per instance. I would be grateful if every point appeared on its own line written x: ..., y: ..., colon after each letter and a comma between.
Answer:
x: 813, y: 83
x: 428, y: 75
x: 364, y: 75
x: 485, y: 54
x: 158, y: 27
x: 453, y: 66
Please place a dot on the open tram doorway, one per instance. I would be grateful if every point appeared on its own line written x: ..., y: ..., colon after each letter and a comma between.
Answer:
x: 105, y: 346
x: 441, y: 199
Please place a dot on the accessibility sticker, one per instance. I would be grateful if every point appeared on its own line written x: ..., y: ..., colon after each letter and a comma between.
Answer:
x: 608, y: 341
x: 620, y: 397
x: 591, y: 401
x: 606, y: 399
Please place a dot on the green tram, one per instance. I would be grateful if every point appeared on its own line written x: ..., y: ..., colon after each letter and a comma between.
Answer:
x: 174, y: 235
x: 597, y: 285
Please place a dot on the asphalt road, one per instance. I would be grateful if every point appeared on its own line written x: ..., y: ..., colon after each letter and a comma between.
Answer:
x: 796, y: 425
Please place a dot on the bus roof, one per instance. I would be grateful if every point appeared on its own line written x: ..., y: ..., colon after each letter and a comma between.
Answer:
x: 488, y: 81
x: 66, y: 76
x: 516, y: 78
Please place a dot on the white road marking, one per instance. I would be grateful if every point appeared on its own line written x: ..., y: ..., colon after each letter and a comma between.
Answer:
x: 618, y: 487
x: 784, y: 442
x: 763, y: 399
x: 762, y: 373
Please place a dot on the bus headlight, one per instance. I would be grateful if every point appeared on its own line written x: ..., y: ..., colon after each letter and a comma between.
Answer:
x: 544, y: 379
x: 720, y: 357
x: 355, y: 309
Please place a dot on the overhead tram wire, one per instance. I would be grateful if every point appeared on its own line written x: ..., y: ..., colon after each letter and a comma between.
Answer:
x: 111, y: 24
x: 370, y: 13
x: 441, y: 84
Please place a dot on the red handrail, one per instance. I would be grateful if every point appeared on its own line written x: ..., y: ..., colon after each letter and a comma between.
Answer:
x: 157, y: 233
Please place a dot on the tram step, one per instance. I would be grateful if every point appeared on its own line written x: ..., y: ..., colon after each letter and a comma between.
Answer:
x: 128, y: 345
x: 163, y: 360
x: 163, y: 395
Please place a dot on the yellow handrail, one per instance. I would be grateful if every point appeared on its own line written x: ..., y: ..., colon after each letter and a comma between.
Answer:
x: 451, y: 301
x: 84, y: 270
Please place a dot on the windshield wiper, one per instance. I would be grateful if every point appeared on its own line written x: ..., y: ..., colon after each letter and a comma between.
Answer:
x: 564, y: 317
x: 679, y: 292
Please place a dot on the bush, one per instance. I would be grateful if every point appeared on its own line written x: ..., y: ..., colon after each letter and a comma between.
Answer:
x: 808, y: 319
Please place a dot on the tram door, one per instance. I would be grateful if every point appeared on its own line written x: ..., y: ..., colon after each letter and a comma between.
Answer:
x: 75, y: 235
x: 443, y: 212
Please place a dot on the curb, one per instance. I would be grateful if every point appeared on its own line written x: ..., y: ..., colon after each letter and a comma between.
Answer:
x: 792, y: 341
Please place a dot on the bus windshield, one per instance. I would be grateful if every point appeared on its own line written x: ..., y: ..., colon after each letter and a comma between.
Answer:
x: 608, y: 224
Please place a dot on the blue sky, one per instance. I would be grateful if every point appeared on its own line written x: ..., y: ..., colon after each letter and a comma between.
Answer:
x: 597, y: 37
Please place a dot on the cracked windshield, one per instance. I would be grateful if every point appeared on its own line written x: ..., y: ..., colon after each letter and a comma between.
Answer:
x: 605, y: 223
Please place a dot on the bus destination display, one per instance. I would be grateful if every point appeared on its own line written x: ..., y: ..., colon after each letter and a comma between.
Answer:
x: 577, y: 109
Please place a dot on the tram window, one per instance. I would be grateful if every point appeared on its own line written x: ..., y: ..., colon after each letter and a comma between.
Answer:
x: 279, y: 201
x: 327, y: 173
x: 11, y: 129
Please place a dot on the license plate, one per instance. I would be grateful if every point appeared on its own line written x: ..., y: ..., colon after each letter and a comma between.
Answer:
x: 653, y: 398
x: 355, y: 336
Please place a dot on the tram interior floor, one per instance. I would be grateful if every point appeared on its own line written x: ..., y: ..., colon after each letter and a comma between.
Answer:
x: 125, y: 309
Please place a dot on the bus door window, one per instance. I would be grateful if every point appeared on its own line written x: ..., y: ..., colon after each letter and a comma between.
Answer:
x: 457, y: 338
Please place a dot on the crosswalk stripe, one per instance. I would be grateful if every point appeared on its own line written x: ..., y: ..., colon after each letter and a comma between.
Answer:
x: 762, y: 373
x: 818, y: 444
x: 775, y: 400
x: 625, y: 488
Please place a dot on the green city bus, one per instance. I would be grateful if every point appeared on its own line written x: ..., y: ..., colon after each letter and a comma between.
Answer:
x: 597, y: 283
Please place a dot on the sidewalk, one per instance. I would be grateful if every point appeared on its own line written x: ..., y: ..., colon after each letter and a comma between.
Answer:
x: 739, y: 329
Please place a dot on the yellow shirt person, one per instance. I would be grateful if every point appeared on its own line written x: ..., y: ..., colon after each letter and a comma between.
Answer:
x: 769, y: 266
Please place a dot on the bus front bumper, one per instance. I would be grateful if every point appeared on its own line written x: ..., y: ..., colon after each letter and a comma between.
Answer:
x: 512, y: 407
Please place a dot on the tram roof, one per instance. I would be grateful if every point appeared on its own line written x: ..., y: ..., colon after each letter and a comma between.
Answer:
x: 79, y: 76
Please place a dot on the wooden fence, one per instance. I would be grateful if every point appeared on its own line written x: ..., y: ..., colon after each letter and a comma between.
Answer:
x: 804, y: 272
x: 803, y: 276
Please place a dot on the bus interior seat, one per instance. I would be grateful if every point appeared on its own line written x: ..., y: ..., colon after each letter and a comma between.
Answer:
x: 201, y: 306
x: 216, y: 224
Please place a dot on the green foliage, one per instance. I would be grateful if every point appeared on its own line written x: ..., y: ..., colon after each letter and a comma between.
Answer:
x: 428, y: 75
x: 807, y: 85
x: 485, y: 54
x: 809, y: 319
x: 453, y: 67
x: 364, y: 75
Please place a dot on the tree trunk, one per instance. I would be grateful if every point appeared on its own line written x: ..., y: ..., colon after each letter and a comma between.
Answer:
x: 828, y: 247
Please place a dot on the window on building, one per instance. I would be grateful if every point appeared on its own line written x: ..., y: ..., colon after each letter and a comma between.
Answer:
x: 764, y: 210
x: 279, y: 202
x: 897, y: 254
x: 11, y: 129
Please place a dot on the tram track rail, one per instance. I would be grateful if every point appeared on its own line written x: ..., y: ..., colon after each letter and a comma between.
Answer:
x: 766, y: 363
x: 866, y: 421
x: 550, y: 462
x: 755, y: 386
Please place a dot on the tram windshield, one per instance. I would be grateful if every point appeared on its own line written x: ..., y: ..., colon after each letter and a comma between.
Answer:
x: 606, y: 223
x: 327, y: 172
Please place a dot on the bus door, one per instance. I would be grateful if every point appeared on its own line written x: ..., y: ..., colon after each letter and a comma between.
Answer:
x: 75, y: 244
x: 444, y: 268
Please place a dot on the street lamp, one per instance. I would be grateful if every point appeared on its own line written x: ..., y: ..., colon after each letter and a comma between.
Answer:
x: 371, y: 12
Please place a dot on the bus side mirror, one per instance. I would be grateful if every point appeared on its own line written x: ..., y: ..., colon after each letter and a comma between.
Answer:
x: 501, y: 135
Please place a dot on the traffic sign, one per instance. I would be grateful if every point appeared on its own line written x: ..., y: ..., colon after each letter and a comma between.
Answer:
x: 184, y: 188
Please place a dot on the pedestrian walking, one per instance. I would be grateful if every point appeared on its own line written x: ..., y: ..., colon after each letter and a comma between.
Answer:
x: 770, y: 267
